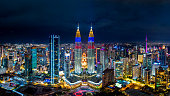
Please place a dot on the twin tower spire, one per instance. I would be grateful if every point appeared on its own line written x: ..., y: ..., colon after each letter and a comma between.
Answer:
x: 90, y: 52
x: 78, y: 36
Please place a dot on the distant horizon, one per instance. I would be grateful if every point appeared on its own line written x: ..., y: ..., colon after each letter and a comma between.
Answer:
x: 137, y: 42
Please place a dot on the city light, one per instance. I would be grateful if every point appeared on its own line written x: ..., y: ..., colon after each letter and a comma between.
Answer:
x: 48, y: 48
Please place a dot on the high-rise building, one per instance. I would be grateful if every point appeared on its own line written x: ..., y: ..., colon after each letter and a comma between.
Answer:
x: 107, y: 77
x: 78, y: 52
x: 160, y: 79
x: 34, y: 57
x: 5, y: 62
x: 155, y: 66
x: 147, y: 76
x: 10, y: 62
x: 163, y: 56
x: 99, y: 69
x: 104, y: 58
x: 62, y: 58
x: 42, y: 56
x: 90, y: 52
x: 140, y: 58
x: 1, y: 56
x: 149, y: 65
x: 54, y: 58
x: 118, y: 69
x: 147, y: 61
x: 146, y: 47
x: 136, y: 71
x: 111, y: 63
x: 125, y: 67
x: 28, y: 66
x: 129, y: 68
x: 97, y: 55
x: 67, y: 63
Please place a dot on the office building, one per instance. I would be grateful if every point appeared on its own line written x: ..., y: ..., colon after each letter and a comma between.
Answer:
x: 90, y: 52
x: 108, y: 77
x: 118, y: 69
x: 34, y: 58
x: 78, y: 52
x: 67, y: 63
x: 54, y: 58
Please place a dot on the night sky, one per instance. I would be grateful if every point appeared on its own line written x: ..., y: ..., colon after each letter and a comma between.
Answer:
x: 30, y: 21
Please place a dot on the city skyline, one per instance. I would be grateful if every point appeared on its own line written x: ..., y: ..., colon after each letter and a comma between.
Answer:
x: 96, y: 69
x: 85, y: 48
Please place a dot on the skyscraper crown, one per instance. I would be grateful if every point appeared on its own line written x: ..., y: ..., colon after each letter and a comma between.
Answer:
x: 91, y: 33
x: 78, y: 36
x: 78, y: 33
x: 91, y: 36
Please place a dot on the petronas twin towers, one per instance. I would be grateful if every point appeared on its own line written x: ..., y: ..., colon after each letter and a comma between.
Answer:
x: 90, y: 52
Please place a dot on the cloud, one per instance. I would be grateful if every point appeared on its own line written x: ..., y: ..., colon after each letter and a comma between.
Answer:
x: 123, y: 20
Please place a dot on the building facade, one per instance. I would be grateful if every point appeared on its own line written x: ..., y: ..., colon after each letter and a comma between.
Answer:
x: 90, y: 52
x: 78, y: 52
x: 54, y: 58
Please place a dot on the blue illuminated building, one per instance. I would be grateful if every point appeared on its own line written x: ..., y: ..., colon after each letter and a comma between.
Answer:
x: 54, y: 58
x: 5, y: 62
x: 34, y: 57
x: 62, y: 56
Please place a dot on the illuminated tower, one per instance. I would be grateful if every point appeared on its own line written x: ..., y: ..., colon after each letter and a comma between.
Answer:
x: 78, y: 51
x: 34, y: 58
x: 163, y: 56
x: 90, y: 52
x: 54, y: 58
x: 146, y: 45
x: 62, y: 58
x: 67, y: 63
x: 28, y: 66
x: 98, y: 55
x: 2, y: 55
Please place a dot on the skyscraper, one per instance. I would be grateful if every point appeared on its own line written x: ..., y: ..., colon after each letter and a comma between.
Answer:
x: 136, y: 71
x: 97, y: 55
x: 104, y: 58
x: 163, y: 56
x: 28, y: 66
x: 146, y: 44
x: 5, y: 62
x: 160, y: 79
x: 62, y: 58
x: 99, y: 69
x: 78, y: 51
x: 118, y: 68
x: 108, y: 77
x: 90, y: 52
x: 67, y: 63
x: 34, y: 57
x: 54, y: 57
